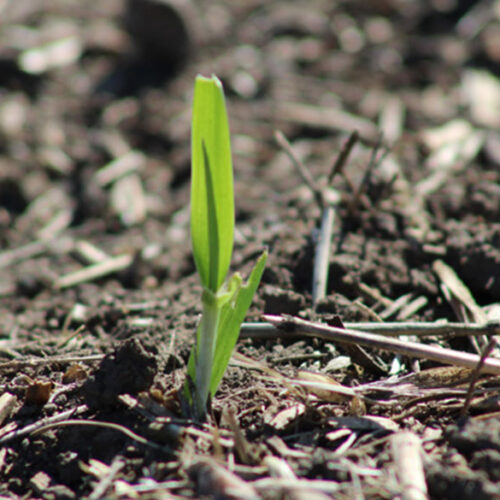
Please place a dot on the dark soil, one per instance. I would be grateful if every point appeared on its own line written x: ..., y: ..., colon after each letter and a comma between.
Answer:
x: 94, y: 162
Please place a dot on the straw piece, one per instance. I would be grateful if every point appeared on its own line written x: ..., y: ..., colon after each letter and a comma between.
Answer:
x: 407, y: 452
x: 94, y: 271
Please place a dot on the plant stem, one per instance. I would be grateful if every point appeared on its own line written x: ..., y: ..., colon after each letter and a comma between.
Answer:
x: 205, y: 357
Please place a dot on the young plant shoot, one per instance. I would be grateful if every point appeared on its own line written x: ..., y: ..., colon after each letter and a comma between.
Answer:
x: 225, y: 301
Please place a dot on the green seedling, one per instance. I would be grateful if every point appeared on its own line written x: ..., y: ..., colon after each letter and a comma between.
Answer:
x: 225, y: 301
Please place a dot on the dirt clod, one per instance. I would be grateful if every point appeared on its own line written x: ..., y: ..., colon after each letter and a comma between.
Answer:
x: 130, y: 369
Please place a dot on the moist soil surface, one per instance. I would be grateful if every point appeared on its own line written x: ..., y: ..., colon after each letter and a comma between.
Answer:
x: 99, y: 298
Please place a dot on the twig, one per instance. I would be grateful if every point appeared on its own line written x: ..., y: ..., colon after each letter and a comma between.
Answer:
x: 17, y: 433
x: 396, y: 305
x: 163, y: 486
x: 411, y: 349
x: 407, y: 452
x: 97, y: 423
x: 299, y: 166
x: 412, y: 308
x: 9, y: 257
x: 475, y: 375
x: 367, y: 311
x: 375, y: 294
x: 391, y: 119
x: 56, y: 225
x: 268, y: 330
x: 374, y: 162
x: 285, y: 484
x: 343, y: 155
x: 323, y: 245
x: 20, y: 363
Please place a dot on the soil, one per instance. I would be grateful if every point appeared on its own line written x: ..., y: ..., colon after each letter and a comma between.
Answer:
x: 94, y: 177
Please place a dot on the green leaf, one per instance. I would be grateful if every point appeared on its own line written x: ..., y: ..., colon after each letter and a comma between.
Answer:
x: 225, y: 303
x: 212, y: 198
x: 232, y: 315
x: 212, y: 304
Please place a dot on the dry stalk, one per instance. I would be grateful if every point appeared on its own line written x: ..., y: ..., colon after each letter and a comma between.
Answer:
x: 420, y: 329
x: 411, y: 349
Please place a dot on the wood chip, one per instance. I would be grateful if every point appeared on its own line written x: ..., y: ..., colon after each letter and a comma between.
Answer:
x: 89, y: 253
x: 38, y: 393
x: 58, y: 53
x: 216, y: 481
x: 338, y: 434
x: 391, y: 119
x: 286, y: 417
x: 280, y: 468
x: 368, y: 423
x: 124, y: 165
x: 128, y: 200
x: 40, y: 482
x: 74, y: 373
x: 7, y: 403
x: 323, y: 387
x: 481, y: 90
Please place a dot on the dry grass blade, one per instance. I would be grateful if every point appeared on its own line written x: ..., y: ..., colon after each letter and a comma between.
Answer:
x: 458, y: 290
